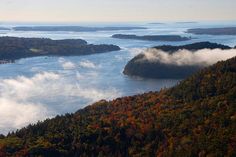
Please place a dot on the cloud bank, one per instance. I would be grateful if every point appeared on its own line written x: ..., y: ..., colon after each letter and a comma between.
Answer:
x: 25, y: 100
x: 87, y: 64
x: 204, y: 57
x: 66, y: 65
x: 14, y: 114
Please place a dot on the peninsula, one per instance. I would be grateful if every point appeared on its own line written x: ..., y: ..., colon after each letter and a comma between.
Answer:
x: 170, y: 38
x: 12, y: 48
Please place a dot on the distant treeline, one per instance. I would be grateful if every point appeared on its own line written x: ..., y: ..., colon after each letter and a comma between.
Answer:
x: 170, y: 38
x: 213, y: 31
x: 73, y: 28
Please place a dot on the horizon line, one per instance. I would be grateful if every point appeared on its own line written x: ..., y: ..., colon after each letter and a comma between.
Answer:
x: 146, y: 21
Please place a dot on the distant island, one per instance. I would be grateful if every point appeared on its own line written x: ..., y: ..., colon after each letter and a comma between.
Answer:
x: 142, y: 67
x: 213, y: 31
x: 73, y: 28
x: 192, y: 47
x: 4, y: 28
x: 12, y: 48
x: 170, y: 38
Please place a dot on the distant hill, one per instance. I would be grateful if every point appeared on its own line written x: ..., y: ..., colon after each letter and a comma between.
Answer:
x: 171, y: 38
x: 4, y: 28
x: 195, y: 118
x: 193, y: 47
x: 12, y: 48
x: 142, y: 67
x: 73, y: 28
x: 213, y: 31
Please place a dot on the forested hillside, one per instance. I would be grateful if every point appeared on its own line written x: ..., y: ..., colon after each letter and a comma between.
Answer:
x: 195, y: 118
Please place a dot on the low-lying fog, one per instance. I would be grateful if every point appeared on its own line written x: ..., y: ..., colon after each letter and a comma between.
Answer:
x: 203, y: 57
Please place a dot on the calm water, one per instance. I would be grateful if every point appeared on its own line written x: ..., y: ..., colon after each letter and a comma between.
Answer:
x: 33, y: 89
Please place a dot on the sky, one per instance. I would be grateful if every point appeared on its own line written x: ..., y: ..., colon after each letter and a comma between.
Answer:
x: 116, y: 10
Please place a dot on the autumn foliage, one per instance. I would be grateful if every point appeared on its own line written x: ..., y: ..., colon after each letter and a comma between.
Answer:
x: 195, y: 118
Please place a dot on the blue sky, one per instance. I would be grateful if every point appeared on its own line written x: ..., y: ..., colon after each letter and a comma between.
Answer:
x: 116, y: 10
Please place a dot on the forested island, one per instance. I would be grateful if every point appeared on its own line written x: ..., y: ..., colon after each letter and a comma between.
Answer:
x: 12, y: 48
x: 213, y: 31
x: 195, y: 118
x: 4, y: 28
x: 192, y: 47
x: 171, y: 38
x: 73, y: 28
x: 143, y: 67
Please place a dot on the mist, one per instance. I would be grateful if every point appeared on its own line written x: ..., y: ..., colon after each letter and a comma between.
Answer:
x: 87, y: 64
x: 25, y: 100
x: 204, y: 57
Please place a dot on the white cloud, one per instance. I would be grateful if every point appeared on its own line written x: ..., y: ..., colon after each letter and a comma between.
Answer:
x: 22, y: 87
x: 25, y: 100
x: 88, y: 64
x: 135, y: 51
x: 202, y: 57
x: 15, y: 115
x: 67, y: 65
x: 95, y: 94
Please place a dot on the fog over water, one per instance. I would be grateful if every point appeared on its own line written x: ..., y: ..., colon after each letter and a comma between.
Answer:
x: 204, y: 57
x: 36, y: 88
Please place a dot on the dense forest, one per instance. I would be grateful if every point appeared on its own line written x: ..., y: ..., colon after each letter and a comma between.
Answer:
x: 143, y: 67
x: 170, y: 38
x: 12, y: 48
x: 196, y: 118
